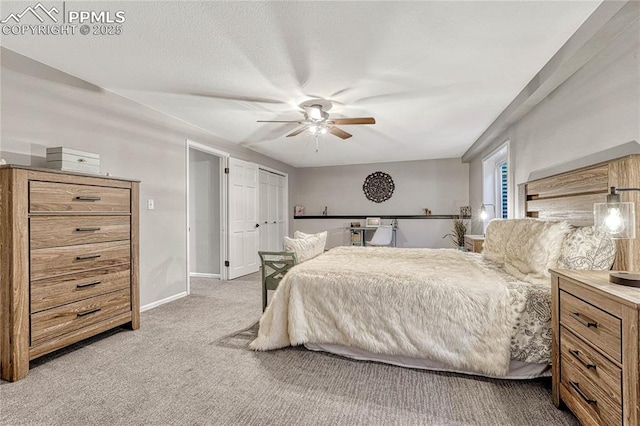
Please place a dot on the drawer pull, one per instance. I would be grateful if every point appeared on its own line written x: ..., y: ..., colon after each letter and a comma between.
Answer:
x: 89, y: 312
x: 576, y: 354
x: 576, y: 387
x: 88, y: 257
x: 87, y: 198
x: 87, y: 229
x: 88, y: 284
x: 584, y: 320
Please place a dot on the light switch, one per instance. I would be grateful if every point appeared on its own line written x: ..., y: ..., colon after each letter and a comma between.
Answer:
x: 150, y: 204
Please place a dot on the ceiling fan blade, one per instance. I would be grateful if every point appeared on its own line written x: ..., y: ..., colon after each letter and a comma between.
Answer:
x: 361, y: 120
x: 297, y: 132
x: 339, y: 133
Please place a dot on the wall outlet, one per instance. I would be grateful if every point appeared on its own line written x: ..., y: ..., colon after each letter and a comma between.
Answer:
x: 150, y: 204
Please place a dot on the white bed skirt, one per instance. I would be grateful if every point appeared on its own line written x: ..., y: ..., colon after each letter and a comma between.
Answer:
x: 518, y: 370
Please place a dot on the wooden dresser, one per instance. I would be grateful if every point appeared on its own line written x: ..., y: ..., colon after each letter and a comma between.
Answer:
x: 69, y: 261
x: 595, y: 348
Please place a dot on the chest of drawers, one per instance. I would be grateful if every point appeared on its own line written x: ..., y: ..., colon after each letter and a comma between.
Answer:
x: 69, y: 261
x: 595, y: 348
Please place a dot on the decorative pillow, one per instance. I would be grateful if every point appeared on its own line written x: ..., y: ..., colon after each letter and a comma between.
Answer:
x: 304, y: 248
x: 321, y: 235
x: 495, y: 240
x: 587, y: 249
x: 534, y: 247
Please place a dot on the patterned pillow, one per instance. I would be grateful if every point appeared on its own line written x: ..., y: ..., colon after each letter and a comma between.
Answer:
x: 304, y: 248
x: 321, y: 235
x: 587, y: 249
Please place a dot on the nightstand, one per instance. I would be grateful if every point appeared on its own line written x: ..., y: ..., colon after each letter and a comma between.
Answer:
x: 595, y: 347
x: 474, y: 243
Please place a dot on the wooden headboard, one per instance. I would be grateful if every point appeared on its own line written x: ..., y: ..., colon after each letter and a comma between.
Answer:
x: 570, y: 197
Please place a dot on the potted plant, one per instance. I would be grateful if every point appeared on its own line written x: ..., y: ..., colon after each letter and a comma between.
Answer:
x: 457, y: 233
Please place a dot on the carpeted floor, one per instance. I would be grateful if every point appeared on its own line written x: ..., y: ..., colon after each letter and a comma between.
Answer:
x: 189, y: 365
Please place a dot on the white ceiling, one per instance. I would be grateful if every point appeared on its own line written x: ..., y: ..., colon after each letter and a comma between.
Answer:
x: 434, y: 74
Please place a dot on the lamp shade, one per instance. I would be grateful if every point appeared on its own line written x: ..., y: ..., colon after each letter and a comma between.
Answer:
x: 616, y: 219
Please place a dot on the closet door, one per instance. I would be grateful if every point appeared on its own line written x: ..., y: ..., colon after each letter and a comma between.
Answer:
x: 264, y: 211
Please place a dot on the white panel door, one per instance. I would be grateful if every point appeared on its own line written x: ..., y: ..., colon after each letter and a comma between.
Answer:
x: 243, y: 218
x: 264, y: 211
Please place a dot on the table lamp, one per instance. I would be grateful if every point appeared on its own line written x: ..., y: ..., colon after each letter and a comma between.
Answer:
x: 618, y: 219
x: 483, y: 211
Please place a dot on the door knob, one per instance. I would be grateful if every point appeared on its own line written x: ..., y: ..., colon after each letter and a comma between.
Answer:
x: 257, y: 225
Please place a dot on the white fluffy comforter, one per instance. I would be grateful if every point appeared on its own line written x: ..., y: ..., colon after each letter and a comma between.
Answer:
x: 420, y: 303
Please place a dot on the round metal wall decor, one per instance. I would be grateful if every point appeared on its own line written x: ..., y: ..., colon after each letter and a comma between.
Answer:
x: 378, y: 187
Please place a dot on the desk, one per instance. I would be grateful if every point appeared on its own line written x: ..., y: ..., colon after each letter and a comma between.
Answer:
x: 358, y: 234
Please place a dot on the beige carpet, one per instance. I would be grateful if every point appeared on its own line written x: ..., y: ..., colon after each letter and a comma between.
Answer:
x: 189, y: 365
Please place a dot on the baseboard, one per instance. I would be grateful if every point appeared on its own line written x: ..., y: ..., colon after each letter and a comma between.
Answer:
x: 201, y: 275
x: 163, y: 301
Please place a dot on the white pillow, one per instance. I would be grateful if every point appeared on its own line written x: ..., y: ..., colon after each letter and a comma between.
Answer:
x: 495, y: 241
x: 304, y: 248
x: 534, y: 247
x: 321, y: 235
x: 586, y: 249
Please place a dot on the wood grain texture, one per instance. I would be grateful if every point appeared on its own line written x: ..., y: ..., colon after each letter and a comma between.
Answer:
x: 55, y: 253
x: 555, y: 339
x: 591, y: 364
x: 52, y: 292
x: 474, y: 243
x: 14, y: 284
x: 67, y: 339
x: 631, y: 384
x: 592, y: 179
x: 55, y: 261
x: 63, y: 197
x: 605, y: 334
x: 73, y: 316
x: 570, y: 197
x: 576, y: 209
x: 625, y: 173
x: 603, y: 409
x: 135, y: 255
x: 47, y: 231
x: 594, y: 289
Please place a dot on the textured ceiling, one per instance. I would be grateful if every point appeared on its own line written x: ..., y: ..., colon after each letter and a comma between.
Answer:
x: 434, y: 74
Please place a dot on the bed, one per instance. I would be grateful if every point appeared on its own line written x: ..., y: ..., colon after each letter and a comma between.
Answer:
x: 441, y: 309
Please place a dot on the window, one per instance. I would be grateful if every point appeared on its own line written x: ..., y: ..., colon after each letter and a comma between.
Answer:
x: 502, y: 191
x: 495, y: 185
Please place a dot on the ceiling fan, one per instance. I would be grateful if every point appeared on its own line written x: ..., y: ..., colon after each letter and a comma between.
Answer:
x: 317, y: 122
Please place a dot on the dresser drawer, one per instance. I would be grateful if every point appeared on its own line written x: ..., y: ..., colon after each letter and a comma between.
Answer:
x: 65, y: 197
x: 579, y: 355
x: 52, y: 292
x: 55, y: 231
x: 593, y: 324
x: 55, y: 322
x: 585, y: 396
x: 50, y: 262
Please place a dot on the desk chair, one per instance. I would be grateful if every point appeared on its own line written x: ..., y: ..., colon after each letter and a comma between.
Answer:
x: 275, y: 265
x: 382, y: 237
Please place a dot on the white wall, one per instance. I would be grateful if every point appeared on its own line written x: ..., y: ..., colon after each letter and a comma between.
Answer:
x: 596, y: 109
x: 43, y: 107
x: 440, y: 185
x: 204, y: 212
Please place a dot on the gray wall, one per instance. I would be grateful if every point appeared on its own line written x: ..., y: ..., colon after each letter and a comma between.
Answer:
x: 440, y: 185
x: 44, y: 107
x: 204, y: 212
x: 596, y: 109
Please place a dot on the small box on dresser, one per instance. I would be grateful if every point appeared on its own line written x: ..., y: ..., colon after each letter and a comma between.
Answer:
x: 68, y: 261
x: 595, y: 347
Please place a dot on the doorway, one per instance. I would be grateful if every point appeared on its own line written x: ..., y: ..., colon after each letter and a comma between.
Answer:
x: 206, y: 218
